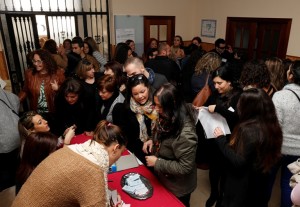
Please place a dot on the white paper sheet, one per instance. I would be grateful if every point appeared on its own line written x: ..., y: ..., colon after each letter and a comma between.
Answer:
x: 210, y: 121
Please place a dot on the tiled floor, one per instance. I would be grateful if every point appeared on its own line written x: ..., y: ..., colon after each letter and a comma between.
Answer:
x: 198, y: 198
x: 201, y: 194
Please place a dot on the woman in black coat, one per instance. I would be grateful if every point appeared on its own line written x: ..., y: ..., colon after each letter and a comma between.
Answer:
x: 136, y: 115
x: 70, y: 108
x: 253, y: 150
x: 223, y: 101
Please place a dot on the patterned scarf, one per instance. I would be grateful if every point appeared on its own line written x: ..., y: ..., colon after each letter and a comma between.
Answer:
x: 96, y: 153
x: 141, y: 110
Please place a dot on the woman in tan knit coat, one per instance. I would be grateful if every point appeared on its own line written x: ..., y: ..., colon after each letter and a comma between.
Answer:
x: 75, y: 175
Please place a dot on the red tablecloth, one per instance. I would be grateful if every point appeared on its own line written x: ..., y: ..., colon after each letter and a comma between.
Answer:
x: 161, y: 196
x: 81, y: 138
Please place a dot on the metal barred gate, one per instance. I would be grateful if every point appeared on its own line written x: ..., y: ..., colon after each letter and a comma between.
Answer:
x: 22, y: 23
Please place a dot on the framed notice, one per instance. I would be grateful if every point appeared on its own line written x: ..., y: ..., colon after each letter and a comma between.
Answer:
x: 208, y: 28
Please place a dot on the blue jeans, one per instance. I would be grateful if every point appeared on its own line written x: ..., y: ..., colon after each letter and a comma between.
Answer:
x: 285, y: 180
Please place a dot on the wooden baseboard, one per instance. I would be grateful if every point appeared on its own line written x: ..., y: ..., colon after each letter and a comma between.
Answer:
x: 293, y: 58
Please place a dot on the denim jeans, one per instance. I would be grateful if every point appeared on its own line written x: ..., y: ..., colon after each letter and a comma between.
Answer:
x: 285, y: 180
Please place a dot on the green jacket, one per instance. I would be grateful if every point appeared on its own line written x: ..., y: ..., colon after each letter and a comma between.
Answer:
x: 176, y: 167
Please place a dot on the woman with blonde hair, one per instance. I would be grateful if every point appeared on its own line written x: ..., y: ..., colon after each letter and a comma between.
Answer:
x: 75, y: 175
x: 208, y: 63
x: 88, y: 78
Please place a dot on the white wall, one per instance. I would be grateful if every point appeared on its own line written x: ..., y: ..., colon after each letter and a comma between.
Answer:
x: 190, y: 12
x: 184, y: 12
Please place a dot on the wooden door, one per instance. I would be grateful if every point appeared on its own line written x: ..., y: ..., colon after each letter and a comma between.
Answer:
x: 161, y: 28
x: 256, y: 38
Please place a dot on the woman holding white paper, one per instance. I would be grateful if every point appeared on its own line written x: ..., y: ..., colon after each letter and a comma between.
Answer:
x: 253, y: 150
x: 224, y: 102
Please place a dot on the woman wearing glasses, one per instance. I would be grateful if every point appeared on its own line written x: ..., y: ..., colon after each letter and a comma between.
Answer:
x: 41, y: 84
x: 136, y: 116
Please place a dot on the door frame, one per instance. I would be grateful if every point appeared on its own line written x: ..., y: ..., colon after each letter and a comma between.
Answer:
x: 159, y: 20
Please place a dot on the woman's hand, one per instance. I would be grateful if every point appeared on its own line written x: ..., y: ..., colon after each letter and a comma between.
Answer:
x: 147, y: 147
x: 61, y: 50
x: 198, y: 107
x: 211, y: 108
x: 69, y: 134
x: 90, y: 134
x: 119, y: 201
x: 54, y: 85
x: 218, y: 132
x: 151, y: 160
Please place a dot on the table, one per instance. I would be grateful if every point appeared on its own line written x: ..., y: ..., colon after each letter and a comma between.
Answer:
x: 161, y: 196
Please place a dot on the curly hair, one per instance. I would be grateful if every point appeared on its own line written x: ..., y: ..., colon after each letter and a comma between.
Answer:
x: 49, y: 63
x: 51, y: 46
x: 209, y: 62
x: 255, y: 73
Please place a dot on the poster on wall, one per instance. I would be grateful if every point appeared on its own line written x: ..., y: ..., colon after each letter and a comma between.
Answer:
x: 208, y: 28
x: 124, y: 34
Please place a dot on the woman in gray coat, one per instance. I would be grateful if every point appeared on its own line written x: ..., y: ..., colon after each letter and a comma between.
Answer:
x: 174, y: 159
x: 288, y: 112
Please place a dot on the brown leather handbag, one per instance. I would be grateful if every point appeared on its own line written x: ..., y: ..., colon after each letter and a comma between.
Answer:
x: 202, y: 95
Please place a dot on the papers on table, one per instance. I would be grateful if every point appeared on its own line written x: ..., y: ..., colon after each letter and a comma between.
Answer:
x: 126, y: 162
x: 134, y: 185
x: 210, y: 121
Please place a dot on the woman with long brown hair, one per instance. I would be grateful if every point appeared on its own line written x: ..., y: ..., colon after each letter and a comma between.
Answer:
x: 253, y: 150
x: 37, y: 147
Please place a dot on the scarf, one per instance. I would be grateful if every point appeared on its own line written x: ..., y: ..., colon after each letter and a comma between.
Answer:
x: 141, y: 110
x: 107, y: 104
x: 151, y: 75
x: 96, y: 153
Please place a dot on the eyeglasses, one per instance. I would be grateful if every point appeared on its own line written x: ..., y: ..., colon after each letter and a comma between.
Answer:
x: 136, y: 77
x: 37, y: 61
x: 222, y: 48
x: 86, y: 62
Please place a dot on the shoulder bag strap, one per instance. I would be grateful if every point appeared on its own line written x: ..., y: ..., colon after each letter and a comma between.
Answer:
x: 207, y: 79
x: 294, y: 93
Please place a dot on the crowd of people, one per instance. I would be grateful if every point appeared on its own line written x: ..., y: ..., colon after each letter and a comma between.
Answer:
x: 143, y: 102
